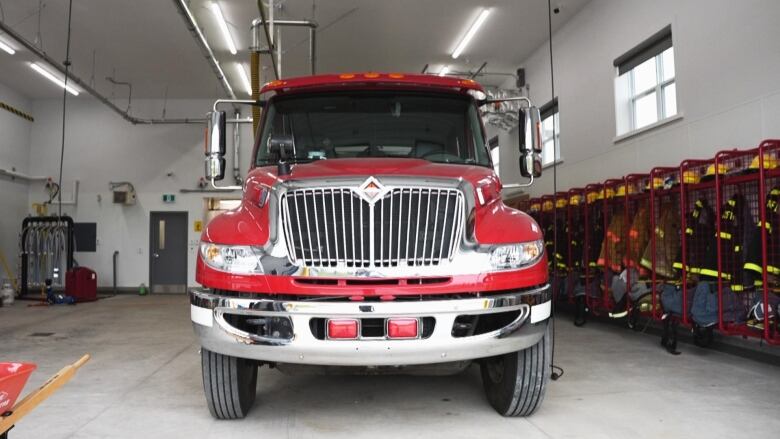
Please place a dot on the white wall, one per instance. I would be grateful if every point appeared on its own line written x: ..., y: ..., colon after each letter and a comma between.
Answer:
x: 102, y: 147
x: 727, y: 57
x: 14, y: 153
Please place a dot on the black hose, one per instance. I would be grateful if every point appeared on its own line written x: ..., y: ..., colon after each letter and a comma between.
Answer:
x: 64, y: 102
x: 555, y: 369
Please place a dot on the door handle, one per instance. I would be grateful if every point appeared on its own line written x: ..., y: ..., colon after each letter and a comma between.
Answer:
x: 156, y: 255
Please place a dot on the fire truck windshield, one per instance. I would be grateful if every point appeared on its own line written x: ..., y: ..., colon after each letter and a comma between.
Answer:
x: 442, y: 128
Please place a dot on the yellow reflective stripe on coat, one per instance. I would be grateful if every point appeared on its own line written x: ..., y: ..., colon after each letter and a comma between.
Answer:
x: 753, y: 267
x: 714, y: 273
x: 725, y: 235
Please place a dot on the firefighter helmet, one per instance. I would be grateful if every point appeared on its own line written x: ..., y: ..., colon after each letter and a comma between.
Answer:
x: 710, y: 172
x: 770, y: 162
x: 656, y: 182
x: 690, y: 177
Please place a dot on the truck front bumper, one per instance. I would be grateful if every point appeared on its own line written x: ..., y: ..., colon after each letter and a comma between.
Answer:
x: 209, y: 314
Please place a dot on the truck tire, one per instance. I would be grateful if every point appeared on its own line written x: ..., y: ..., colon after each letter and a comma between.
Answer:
x: 515, y: 383
x: 230, y: 384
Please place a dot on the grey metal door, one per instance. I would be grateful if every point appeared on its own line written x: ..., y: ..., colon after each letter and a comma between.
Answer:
x: 168, y: 252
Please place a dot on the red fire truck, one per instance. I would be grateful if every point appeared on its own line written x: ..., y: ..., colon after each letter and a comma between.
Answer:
x: 372, y: 233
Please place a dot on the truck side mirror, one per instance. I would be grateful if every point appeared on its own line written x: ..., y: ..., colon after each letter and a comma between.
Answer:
x: 530, y: 138
x: 215, y: 168
x: 530, y: 165
x: 216, y: 140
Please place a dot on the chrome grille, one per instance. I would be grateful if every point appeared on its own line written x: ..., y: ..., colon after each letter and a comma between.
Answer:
x: 407, y: 226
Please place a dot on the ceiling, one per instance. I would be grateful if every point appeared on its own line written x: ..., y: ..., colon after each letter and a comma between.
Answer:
x: 146, y: 43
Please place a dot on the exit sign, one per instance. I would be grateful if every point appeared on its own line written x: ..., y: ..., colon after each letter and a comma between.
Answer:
x: 168, y: 198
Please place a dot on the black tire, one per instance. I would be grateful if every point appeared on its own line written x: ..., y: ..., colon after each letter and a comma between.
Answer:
x: 230, y: 384
x: 515, y: 383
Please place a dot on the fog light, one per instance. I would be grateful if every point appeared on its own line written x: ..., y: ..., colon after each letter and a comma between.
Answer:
x: 344, y: 329
x: 403, y: 328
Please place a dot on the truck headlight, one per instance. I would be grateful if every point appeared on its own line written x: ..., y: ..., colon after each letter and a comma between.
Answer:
x: 239, y: 259
x: 516, y: 255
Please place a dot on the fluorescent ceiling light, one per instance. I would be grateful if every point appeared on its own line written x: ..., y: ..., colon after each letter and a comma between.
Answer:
x: 215, y: 9
x: 244, y: 78
x: 48, y: 75
x: 444, y: 70
x: 471, y: 32
x: 6, y: 48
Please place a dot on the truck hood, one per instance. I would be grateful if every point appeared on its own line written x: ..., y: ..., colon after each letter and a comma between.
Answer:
x: 494, y: 222
x: 378, y: 167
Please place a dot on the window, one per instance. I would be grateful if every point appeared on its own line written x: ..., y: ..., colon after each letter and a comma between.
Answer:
x: 645, y: 89
x: 495, y: 153
x: 551, y: 132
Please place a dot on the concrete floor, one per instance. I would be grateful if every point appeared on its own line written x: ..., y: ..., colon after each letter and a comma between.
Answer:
x: 144, y: 381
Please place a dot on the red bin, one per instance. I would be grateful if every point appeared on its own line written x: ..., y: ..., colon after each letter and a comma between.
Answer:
x: 81, y: 284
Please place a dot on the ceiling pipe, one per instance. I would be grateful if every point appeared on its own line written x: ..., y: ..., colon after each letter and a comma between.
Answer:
x: 86, y: 87
x: 268, y: 38
x: 192, y: 26
x: 260, y: 23
x: 479, y: 70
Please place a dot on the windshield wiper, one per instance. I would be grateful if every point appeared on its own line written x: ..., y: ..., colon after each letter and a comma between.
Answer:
x: 267, y: 162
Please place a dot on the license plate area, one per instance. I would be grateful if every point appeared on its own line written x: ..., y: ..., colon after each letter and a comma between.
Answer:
x: 373, y: 328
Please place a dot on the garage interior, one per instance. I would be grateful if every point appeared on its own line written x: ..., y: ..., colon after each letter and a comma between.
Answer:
x: 159, y: 161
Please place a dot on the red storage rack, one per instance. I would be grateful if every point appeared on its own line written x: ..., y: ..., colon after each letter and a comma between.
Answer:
x: 546, y: 223
x: 637, y: 211
x: 692, y: 251
x: 738, y: 185
x: 560, y: 249
x: 665, y: 194
x: 614, y: 247
x: 535, y: 209
x: 593, y: 214
x: 769, y: 215
x: 575, y: 218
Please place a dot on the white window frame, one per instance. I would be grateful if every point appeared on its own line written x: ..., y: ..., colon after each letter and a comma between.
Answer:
x: 660, y: 86
x: 556, y: 139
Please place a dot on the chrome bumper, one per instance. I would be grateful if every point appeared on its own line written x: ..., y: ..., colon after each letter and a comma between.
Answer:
x: 216, y: 334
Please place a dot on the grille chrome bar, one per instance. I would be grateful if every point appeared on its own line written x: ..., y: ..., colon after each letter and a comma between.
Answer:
x: 406, y: 226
